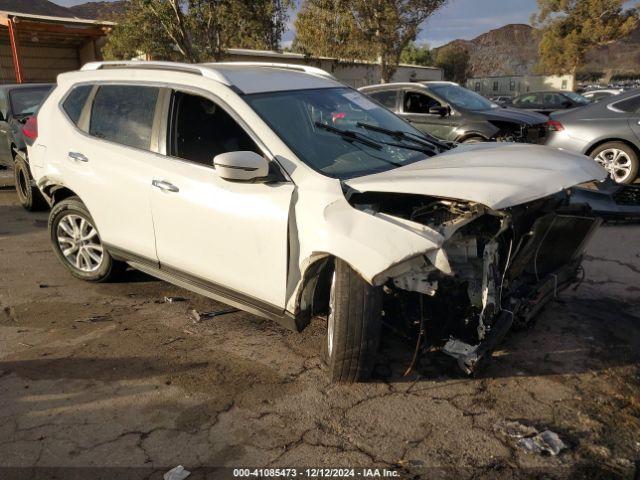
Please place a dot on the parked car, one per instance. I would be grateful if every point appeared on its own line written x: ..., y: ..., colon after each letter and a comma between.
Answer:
x: 595, y: 96
x: 607, y: 131
x: 453, y: 113
x: 548, y: 102
x: 17, y: 103
x: 503, y: 100
x: 241, y: 182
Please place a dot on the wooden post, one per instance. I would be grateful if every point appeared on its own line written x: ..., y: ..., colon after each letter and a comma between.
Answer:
x: 13, y: 38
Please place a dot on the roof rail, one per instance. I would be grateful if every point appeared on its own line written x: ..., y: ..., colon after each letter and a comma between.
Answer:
x: 168, y: 66
x: 287, y: 66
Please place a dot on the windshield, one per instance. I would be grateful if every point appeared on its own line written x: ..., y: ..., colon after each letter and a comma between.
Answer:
x: 462, y: 98
x: 26, y: 101
x: 577, y: 98
x: 340, y: 132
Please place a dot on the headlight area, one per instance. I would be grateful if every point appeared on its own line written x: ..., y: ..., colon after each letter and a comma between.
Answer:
x: 495, y: 269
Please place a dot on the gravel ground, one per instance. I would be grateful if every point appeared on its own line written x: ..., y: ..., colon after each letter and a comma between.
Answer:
x: 110, y: 381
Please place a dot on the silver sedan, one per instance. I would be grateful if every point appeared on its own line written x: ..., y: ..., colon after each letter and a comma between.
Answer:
x: 607, y: 131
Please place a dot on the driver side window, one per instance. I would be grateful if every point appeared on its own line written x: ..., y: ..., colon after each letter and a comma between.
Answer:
x: 199, y: 130
x: 415, y: 102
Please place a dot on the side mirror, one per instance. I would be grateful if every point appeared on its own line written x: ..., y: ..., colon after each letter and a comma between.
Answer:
x: 442, y: 111
x: 241, y: 166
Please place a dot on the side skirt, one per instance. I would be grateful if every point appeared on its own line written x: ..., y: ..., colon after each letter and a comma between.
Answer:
x: 207, y: 289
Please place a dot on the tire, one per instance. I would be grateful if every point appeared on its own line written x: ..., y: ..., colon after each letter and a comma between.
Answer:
x: 474, y: 139
x: 619, y: 159
x: 353, y: 326
x: 29, y: 196
x: 71, y: 227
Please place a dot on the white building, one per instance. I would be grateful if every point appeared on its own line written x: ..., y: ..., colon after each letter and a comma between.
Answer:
x: 517, y: 84
x: 354, y: 73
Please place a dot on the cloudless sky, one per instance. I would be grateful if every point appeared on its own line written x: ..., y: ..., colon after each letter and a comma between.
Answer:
x: 459, y: 19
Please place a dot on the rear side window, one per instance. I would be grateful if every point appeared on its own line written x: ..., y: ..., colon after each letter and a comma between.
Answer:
x: 75, y: 101
x: 387, y: 98
x: 124, y: 114
x: 630, y: 105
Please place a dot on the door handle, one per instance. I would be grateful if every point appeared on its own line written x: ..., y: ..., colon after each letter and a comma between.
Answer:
x: 165, y: 186
x: 77, y: 156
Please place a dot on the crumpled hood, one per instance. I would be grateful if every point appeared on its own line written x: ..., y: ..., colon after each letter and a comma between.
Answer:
x: 498, y: 175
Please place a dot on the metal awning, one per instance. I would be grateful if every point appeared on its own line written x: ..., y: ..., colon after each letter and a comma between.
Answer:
x: 26, y: 29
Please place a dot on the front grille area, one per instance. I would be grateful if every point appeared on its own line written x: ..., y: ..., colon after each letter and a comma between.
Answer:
x: 628, y: 195
x: 536, y: 134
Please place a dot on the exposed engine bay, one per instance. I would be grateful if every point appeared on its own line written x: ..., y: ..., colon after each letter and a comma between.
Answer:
x: 496, y: 268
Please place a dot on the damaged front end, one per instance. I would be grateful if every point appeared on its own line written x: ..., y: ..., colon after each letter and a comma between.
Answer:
x: 495, y: 269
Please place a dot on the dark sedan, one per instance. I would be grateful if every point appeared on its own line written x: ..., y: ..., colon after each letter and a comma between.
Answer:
x: 17, y: 103
x: 453, y: 113
x: 607, y: 131
x: 548, y: 102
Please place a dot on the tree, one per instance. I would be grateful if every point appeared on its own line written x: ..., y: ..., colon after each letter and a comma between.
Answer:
x: 570, y: 27
x: 373, y: 29
x: 416, y: 55
x: 454, y: 61
x: 197, y: 30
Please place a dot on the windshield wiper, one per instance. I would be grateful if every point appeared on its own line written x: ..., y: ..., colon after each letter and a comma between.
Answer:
x: 412, y: 137
x: 350, y: 136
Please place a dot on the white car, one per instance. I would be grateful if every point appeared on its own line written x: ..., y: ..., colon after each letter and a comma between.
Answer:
x: 279, y: 190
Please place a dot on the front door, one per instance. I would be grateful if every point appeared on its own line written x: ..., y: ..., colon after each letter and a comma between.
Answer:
x: 421, y: 110
x: 6, y: 157
x: 230, y: 237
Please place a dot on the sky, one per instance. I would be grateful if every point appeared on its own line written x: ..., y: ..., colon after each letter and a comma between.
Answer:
x: 459, y: 19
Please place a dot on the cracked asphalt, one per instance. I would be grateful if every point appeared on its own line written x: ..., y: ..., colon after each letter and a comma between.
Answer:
x: 110, y: 381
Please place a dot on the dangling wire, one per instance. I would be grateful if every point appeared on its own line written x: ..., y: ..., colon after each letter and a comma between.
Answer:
x: 420, y: 336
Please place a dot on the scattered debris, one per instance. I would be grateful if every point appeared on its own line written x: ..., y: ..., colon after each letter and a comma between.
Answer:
x: 173, y: 340
x: 172, y: 300
x: 530, y: 439
x: 188, y: 332
x: 43, y: 285
x: 200, y: 316
x: 96, y: 319
x: 546, y: 441
x: 28, y: 345
x: 177, y: 473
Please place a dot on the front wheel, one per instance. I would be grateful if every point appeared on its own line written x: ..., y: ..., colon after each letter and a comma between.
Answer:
x: 76, y: 242
x: 353, y: 326
x: 619, y: 159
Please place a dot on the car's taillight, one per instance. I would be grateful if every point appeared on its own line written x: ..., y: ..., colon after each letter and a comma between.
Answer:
x: 30, y: 128
x: 554, y: 126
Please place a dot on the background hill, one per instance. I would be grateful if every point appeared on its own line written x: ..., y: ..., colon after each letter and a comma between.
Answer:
x: 89, y: 10
x: 513, y: 50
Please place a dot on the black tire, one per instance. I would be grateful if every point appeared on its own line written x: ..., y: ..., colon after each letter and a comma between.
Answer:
x: 107, y: 269
x: 356, y: 307
x: 473, y: 139
x: 629, y: 152
x: 29, y: 196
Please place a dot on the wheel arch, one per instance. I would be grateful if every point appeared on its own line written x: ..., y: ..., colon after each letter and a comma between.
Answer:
x: 589, y: 150
x: 56, y: 193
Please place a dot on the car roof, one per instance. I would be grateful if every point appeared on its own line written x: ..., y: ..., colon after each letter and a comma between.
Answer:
x: 244, y: 77
x: 398, y: 85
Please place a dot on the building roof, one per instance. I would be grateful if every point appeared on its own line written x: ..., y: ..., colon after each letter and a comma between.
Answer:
x: 50, y: 19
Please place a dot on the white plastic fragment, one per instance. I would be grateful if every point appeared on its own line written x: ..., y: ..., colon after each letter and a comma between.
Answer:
x: 545, y: 442
x: 177, y: 473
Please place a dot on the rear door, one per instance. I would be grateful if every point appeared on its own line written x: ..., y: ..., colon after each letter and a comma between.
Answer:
x: 529, y: 101
x: 416, y: 107
x: 108, y: 160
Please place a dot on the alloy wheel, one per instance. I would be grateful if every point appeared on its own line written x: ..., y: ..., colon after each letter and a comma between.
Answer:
x: 79, y: 243
x: 616, y: 162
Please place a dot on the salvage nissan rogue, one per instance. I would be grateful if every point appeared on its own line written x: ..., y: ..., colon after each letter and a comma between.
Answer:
x: 279, y: 190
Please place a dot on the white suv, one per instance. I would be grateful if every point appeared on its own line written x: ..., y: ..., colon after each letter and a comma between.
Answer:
x: 281, y: 191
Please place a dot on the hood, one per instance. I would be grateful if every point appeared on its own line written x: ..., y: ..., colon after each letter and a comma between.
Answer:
x: 498, y: 175
x: 514, y: 115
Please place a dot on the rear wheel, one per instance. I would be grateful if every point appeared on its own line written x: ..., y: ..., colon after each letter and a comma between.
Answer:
x: 29, y: 196
x: 76, y: 242
x: 475, y: 139
x: 619, y: 159
x: 353, y: 326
